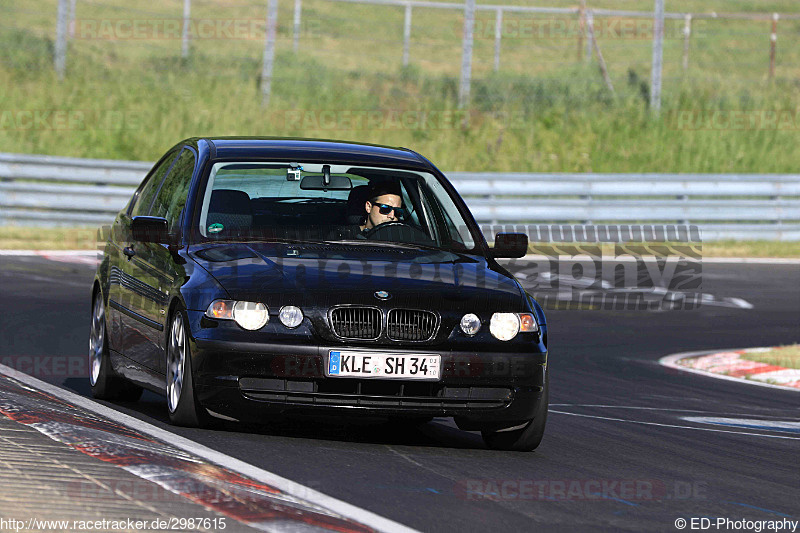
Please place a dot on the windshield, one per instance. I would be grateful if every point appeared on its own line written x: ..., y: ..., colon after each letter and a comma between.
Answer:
x: 314, y: 202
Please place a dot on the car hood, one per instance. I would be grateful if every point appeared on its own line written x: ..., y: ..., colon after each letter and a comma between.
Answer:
x: 327, y: 275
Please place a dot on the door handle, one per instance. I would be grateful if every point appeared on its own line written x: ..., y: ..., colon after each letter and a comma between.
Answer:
x: 129, y: 252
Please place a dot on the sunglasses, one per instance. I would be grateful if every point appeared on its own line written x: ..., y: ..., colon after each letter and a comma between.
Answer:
x: 386, y: 209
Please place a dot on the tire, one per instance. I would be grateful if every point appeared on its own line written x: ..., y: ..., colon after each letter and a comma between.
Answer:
x: 182, y: 404
x: 105, y: 384
x: 527, y: 438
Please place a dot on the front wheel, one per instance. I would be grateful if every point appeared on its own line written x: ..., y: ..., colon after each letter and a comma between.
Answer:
x: 184, y: 409
x: 105, y: 384
x: 527, y: 437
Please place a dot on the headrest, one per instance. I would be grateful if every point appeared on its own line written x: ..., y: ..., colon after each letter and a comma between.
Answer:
x: 229, y: 201
x: 355, y: 203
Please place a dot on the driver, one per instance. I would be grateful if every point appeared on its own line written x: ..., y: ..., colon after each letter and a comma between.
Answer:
x: 384, y: 205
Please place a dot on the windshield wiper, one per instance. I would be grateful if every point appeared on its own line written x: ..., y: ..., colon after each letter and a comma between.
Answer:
x: 391, y: 244
x: 272, y: 240
x: 383, y: 244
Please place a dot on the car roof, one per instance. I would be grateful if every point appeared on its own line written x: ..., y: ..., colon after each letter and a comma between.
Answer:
x: 298, y: 149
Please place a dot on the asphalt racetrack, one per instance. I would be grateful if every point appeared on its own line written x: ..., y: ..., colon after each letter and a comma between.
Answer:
x: 618, y: 453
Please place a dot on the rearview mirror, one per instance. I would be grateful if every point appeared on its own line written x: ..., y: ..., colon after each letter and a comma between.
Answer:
x: 315, y: 182
x: 150, y: 229
x: 511, y: 245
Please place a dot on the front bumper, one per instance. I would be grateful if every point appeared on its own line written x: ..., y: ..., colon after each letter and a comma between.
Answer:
x: 246, y: 381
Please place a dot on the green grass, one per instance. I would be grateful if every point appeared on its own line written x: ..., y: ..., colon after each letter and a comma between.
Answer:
x: 751, y: 249
x: 785, y: 356
x: 544, y: 111
x: 25, y: 238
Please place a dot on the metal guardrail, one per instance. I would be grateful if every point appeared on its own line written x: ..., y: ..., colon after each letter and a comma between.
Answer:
x: 44, y: 190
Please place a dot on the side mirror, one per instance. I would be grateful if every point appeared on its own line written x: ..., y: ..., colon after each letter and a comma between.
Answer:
x: 150, y: 229
x: 512, y: 245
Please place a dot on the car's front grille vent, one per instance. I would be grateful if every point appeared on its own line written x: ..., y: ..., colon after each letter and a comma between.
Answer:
x: 375, y: 393
x: 356, y: 322
x: 411, y: 325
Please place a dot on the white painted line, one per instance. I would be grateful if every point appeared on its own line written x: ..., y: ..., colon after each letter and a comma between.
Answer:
x: 673, y: 425
x: 628, y: 407
x: 671, y: 409
x: 742, y: 304
x: 671, y: 361
x: 290, y: 487
x: 752, y: 423
x: 604, y: 406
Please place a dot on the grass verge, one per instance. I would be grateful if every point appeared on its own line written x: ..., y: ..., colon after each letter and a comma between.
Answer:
x: 25, y: 238
x: 785, y: 356
x: 544, y: 110
x: 751, y: 249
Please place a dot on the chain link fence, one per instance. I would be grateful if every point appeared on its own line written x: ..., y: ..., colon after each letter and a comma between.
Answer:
x: 136, y: 77
x: 380, y: 36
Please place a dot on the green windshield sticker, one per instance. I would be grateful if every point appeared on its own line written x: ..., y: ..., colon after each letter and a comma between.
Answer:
x: 215, y: 228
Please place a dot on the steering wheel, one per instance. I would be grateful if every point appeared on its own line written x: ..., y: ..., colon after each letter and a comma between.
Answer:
x: 396, y: 231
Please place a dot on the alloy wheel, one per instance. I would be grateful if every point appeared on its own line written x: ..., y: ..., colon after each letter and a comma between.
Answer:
x: 176, y: 361
x: 97, y: 339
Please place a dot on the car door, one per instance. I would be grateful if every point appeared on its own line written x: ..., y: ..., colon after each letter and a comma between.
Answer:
x: 132, y: 330
x: 156, y: 267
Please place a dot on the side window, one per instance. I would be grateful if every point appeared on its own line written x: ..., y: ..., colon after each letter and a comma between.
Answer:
x: 145, y: 195
x: 448, y: 211
x: 172, y: 196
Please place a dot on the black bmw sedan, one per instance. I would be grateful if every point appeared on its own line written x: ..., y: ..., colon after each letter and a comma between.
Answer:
x: 250, y: 277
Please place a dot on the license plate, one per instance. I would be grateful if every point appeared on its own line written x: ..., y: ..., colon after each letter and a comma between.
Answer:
x: 353, y: 364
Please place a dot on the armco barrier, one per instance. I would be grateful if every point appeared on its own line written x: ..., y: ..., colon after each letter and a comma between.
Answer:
x: 44, y: 190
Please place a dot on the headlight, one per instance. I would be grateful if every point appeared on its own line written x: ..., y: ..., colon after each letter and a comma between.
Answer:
x: 221, y: 309
x: 250, y: 315
x: 527, y: 323
x: 505, y: 326
x: 470, y: 324
x: 291, y: 316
